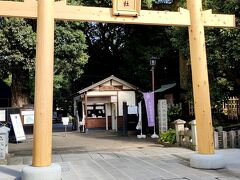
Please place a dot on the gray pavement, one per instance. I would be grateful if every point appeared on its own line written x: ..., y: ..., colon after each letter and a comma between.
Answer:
x: 107, y: 156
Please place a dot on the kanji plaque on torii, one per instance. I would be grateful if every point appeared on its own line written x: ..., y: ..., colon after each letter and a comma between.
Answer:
x: 46, y: 11
x: 126, y: 7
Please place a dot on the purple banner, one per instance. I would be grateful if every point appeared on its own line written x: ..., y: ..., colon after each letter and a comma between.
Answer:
x: 149, y: 102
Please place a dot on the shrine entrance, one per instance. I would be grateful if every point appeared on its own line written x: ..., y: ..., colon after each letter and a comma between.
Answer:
x: 126, y: 12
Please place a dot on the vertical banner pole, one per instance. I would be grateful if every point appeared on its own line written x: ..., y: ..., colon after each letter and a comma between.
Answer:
x: 200, y: 78
x: 125, y: 119
x: 42, y: 144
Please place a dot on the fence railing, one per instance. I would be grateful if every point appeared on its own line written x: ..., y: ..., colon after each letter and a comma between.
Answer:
x: 230, y: 107
x: 222, y: 139
x: 186, y: 137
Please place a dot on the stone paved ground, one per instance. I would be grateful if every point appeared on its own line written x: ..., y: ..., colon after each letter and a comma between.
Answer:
x: 106, y: 156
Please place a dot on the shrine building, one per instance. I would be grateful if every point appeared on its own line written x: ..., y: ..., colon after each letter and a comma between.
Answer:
x: 102, y: 103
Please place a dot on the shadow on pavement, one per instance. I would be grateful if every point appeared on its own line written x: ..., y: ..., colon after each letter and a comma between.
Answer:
x: 10, y: 172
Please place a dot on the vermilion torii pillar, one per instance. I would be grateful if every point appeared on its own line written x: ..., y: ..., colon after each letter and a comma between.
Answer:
x: 47, y: 10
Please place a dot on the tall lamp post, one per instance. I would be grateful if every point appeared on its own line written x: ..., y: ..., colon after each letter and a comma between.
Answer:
x: 153, y: 61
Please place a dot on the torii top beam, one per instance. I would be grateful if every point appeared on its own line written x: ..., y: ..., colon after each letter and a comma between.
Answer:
x: 28, y: 9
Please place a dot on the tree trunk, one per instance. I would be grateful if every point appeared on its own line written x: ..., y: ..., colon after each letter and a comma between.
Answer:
x: 184, y: 72
x: 20, y: 88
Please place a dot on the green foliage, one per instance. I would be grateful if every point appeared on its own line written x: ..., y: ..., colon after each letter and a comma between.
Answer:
x: 105, y: 47
x: 17, y: 46
x: 147, y: 3
x: 223, y: 49
x: 139, y: 49
x: 117, y: 49
x: 70, y: 49
x: 8, y: 80
x: 17, y: 56
x: 123, y: 50
x: 174, y: 112
x: 70, y: 58
x: 169, y: 136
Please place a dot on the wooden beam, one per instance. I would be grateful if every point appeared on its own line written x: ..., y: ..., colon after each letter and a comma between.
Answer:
x: 96, y: 14
x: 218, y: 20
x: 28, y: 9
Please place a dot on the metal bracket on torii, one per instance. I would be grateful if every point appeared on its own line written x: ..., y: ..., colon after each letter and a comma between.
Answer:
x: 28, y: 9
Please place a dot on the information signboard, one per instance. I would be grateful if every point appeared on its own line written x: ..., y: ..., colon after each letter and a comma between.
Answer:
x: 18, y: 127
x: 65, y: 120
x: 2, y: 115
x: 28, y: 119
x: 28, y: 116
x: 27, y: 112
x: 132, y: 110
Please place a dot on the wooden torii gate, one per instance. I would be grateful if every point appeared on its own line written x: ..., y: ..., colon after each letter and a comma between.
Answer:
x: 46, y: 11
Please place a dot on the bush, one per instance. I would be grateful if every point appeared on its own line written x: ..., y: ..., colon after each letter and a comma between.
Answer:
x: 169, y: 136
x: 174, y: 112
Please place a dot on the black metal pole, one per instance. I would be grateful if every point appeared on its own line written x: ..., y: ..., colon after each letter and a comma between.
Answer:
x: 125, y: 121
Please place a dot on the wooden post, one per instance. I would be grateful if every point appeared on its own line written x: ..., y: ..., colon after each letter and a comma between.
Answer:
x: 200, y: 78
x: 106, y: 117
x: 125, y: 120
x: 42, y: 144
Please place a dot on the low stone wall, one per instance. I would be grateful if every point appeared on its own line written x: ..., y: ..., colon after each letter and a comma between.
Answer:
x: 222, y: 139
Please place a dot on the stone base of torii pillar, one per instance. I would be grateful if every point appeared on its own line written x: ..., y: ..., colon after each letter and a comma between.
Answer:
x: 212, y: 161
x: 52, y: 172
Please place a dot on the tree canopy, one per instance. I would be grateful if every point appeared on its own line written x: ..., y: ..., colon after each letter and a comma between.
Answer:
x: 223, y: 51
x: 17, y: 58
x: 70, y: 58
x: 17, y: 52
x: 122, y: 50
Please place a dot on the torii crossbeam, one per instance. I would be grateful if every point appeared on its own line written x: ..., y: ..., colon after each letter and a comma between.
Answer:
x: 46, y: 11
x: 62, y: 11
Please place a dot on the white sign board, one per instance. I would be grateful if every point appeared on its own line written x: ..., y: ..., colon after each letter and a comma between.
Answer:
x: 162, y: 115
x: 18, y: 127
x: 28, y: 119
x: 27, y: 112
x: 2, y: 115
x: 65, y: 120
x: 132, y: 110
